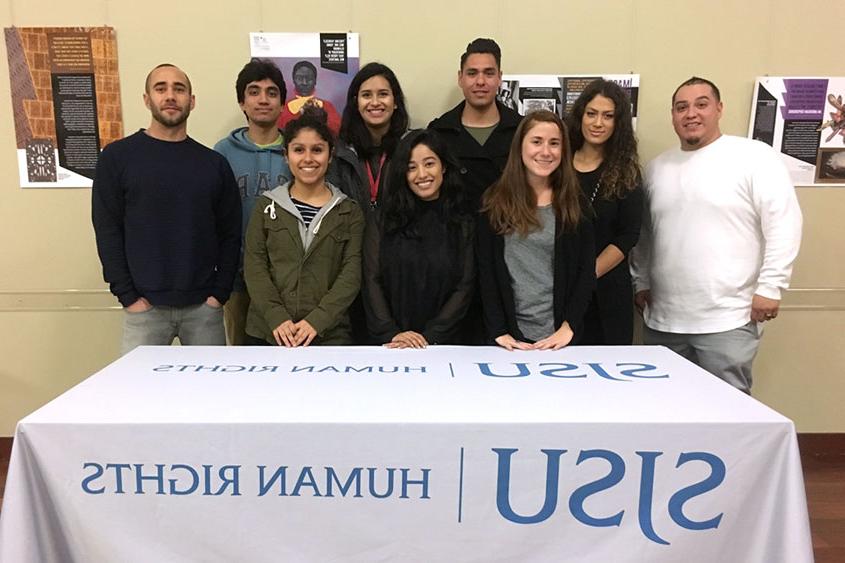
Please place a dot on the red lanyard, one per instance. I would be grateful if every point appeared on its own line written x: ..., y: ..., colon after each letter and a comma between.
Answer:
x: 374, y: 181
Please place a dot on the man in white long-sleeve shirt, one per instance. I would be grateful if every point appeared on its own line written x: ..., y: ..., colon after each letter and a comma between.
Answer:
x: 721, y: 230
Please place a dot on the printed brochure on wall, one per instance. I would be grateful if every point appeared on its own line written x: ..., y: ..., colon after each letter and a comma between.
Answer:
x: 803, y: 118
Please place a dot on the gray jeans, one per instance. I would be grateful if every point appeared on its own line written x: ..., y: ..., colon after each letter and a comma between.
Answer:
x: 195, y: 325
x: 727, y: 355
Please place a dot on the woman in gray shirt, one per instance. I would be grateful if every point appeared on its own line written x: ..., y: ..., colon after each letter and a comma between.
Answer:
x: 536, y: 258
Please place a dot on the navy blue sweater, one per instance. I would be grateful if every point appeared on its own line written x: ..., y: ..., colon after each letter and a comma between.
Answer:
x: 167, y: 216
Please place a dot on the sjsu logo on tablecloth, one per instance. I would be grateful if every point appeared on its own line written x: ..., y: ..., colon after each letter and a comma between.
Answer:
x: 619, y: 371
x: 613, y: 477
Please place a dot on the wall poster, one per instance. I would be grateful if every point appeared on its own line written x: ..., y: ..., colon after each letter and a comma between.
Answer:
x: 317, y: 68
x: 803, y: 118
x: 529, y: 92
x: 65, y: 102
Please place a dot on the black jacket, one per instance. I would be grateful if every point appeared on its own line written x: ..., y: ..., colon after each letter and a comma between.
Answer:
x: 574, y: 279
x: 480, y: 165
x: 348, y: 173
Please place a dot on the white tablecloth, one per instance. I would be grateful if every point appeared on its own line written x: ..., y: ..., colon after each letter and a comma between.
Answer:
x: 367, y: 454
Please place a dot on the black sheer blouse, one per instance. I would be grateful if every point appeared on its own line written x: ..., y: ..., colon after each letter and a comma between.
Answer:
x: 420, y: 279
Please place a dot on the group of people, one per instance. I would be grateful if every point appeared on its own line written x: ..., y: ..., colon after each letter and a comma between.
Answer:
x: 486, y: 226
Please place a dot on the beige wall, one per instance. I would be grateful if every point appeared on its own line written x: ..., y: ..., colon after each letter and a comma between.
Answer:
x: 58, y: 324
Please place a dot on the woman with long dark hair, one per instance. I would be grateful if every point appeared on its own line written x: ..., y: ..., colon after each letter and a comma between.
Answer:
x: 536, y: 260
x: 606, y: 162
x: 374, y: 120
x: 419, y: 266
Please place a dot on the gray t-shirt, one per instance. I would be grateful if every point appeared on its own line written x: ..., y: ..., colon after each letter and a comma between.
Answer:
x: 530, y: 261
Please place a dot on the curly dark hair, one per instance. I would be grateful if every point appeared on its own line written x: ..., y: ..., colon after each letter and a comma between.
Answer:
x: 354, y: 132
x: 400, y: 205
x: 622, y: 172
x: 314, y: 118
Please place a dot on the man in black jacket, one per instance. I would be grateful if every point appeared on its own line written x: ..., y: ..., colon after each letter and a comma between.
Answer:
x: 167, y: 217
x: 479, y: 130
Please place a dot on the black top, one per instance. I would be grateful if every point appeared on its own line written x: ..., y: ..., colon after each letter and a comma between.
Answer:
x: 481, y: 165
x: 574, y: 279
x: 167, y: 216
x: 421, y: 281
x: 617, y: 222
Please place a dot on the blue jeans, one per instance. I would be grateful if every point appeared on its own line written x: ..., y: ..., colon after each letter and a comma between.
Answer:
x: 727, y: 355
x: 195, y: 325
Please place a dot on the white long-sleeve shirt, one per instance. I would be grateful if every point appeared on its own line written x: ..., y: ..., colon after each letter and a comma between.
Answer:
x: 721, y: 224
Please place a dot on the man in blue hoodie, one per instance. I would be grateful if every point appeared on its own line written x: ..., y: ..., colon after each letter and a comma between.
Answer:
x: 255, y: 154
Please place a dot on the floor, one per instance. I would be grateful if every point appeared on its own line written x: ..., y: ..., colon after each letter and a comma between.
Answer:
x: 824, y: 477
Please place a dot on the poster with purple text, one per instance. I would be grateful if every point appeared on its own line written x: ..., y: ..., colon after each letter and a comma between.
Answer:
x: 804, y: 119
x: 317, y: 68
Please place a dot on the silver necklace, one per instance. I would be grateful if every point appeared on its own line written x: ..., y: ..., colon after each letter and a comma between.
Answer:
x: 595, y: 190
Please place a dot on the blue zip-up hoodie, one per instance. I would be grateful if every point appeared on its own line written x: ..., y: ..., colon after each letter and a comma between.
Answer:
x: 256, y: 170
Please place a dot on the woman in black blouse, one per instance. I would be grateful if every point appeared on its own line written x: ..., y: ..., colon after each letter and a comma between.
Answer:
x: 419, y: 266
x: 605, y: 159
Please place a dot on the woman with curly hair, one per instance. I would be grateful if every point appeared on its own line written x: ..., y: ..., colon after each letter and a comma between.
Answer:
x: 606, y: 162
x: 535, y: 242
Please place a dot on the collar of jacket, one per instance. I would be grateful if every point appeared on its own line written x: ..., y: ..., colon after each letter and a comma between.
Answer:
x: 452, y: 119
x: 281, y: 196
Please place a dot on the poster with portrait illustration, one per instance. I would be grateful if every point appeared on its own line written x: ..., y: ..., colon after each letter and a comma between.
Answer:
x: 65, y: 102
x: 317, y: 68
x: 555, y: 92
x: 803, y: 118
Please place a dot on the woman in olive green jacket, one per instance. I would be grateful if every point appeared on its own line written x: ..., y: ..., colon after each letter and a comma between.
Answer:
x: 302, y: 250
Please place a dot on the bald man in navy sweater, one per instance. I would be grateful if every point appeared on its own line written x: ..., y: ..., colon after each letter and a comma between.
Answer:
x: 167, y: 217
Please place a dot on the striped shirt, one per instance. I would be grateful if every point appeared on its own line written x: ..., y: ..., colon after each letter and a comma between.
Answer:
x: 307, y: 212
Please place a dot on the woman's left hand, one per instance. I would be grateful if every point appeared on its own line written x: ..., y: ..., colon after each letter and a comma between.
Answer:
x: 556, y: 341
x: 304, y: 333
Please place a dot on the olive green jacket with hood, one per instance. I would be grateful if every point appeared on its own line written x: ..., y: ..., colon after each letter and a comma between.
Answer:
x: 294, y: 273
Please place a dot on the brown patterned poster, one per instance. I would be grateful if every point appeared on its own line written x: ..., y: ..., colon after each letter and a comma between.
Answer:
x: 65, y: 102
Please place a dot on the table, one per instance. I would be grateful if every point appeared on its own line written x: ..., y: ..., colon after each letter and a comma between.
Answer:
x: 369, y: 454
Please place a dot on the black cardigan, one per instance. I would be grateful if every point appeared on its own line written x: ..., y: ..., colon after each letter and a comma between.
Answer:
x: 616, y: 222
x: 574, y: 278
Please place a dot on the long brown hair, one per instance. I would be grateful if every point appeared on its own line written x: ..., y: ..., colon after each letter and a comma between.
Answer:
x: 511, y: 204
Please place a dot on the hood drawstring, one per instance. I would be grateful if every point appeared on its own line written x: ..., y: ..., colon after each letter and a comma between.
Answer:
x: 271, y: 210
x: 320, y: 222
